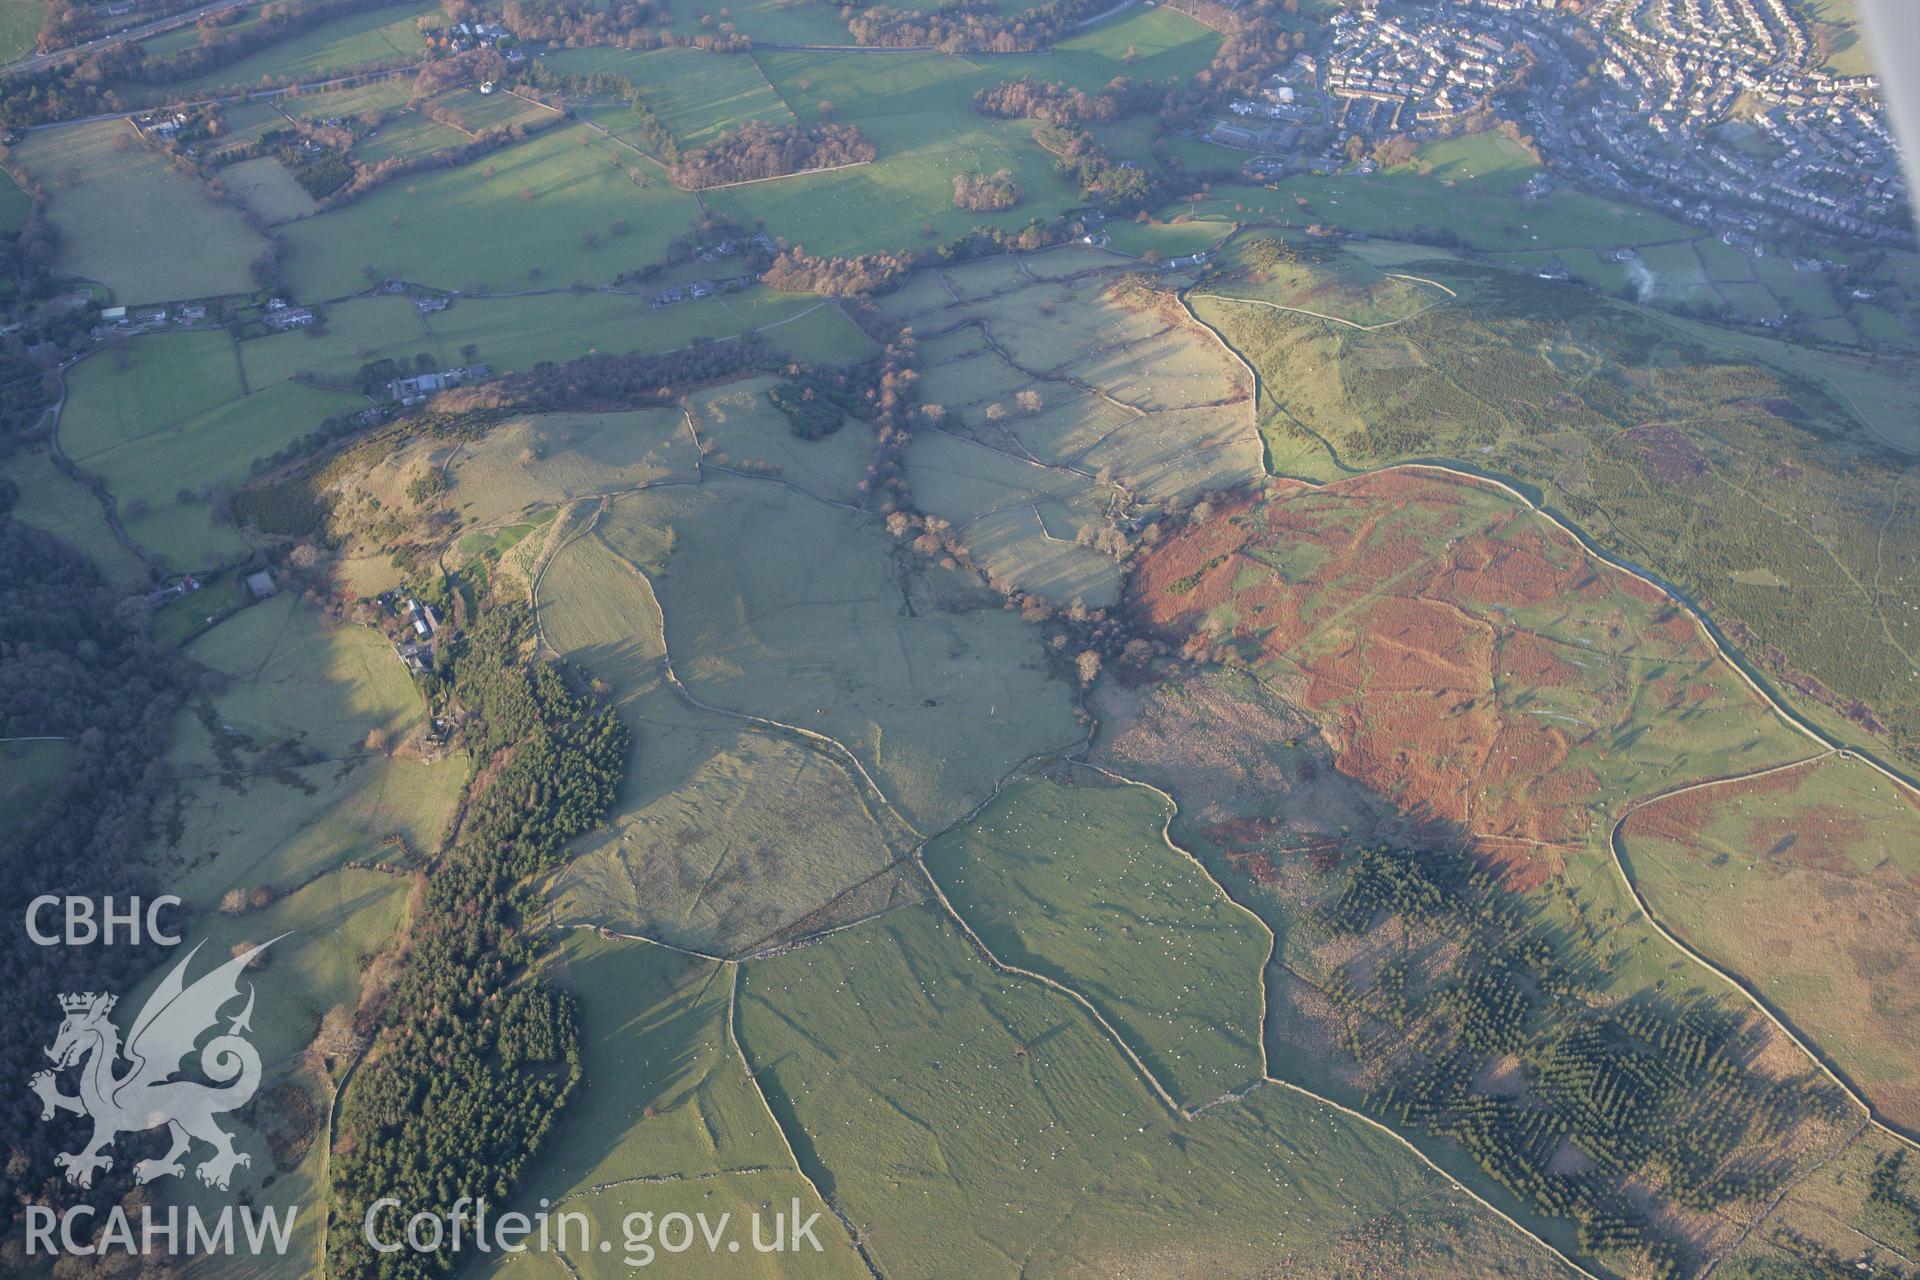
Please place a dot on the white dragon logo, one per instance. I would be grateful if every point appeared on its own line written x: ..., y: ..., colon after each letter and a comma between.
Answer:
x: 147, y: 1096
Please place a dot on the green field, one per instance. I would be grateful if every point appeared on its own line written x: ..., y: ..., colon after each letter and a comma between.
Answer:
x: 1078, y: 883
x: 161, y: 420
x: 696, y: 95
x: 477, y: 112
x: 1476, y: 161
x: 131, y: 389
x: 164, y: 479
x: 264, y: 186
x: 1767, y: 877
x: 942, y: 1104
x: 667, y: 1122
x: 15, y: 204
x: 1165, y: 45
x: 49, y: 500
x: 917, y: 110
x: 378, y: 96
x: 411, y: 130
x: 516, y: 333
x: 376, y: 35
x: 407, y: 135
x: 123, y: 216
x: 188, y: 36
x: 20, y: 22
x: 1483, y: 213
x: 1168, y: 239
x: 1838, y: 36
x: 355, y: 332
x: 516, y: 220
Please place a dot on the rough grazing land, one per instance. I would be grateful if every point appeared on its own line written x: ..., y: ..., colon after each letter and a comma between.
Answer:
x: 1757, y: 476
x: 1464, y: 659
x: 733, y: 835
x: 1807, y: 883
x: 302, y: 788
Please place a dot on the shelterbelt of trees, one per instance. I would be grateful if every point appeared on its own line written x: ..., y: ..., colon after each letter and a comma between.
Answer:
x: 479, y: 1055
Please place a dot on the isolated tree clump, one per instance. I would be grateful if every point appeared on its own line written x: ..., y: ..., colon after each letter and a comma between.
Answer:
x: 985, y: 192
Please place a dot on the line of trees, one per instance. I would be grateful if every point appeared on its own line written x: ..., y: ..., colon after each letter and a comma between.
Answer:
x: 71, y: 22
x: 626, y: 24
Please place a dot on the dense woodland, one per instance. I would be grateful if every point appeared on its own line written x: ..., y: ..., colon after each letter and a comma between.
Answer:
x: 757, y: 149
x: 75, y: 664
x: 797, y: 272
x: 1030, y: 99
x: 479, y: 1054
x: 1654, y: 1091
x: 42, y: 327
